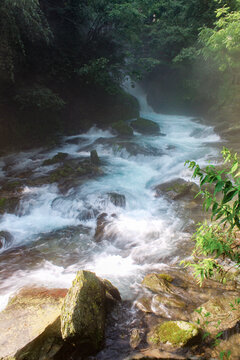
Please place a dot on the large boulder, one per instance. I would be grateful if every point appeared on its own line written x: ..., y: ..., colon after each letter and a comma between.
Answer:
x: 174, y: 333
x: 144, y: 126
x: 177, y: 189
x: 83, y: 312
x: 30, y: 325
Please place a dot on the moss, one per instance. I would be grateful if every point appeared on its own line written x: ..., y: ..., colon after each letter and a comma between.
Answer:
x: 157, y: 283
x: 57, y: 158
x: 145, y: 126
x: 11, y: 186
x: 2, y: 203
x: 166, y: 277
x: 122, y: 128
x: 176, y: 333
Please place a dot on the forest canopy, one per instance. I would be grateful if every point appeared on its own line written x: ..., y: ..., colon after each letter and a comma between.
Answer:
x: 52, y: 48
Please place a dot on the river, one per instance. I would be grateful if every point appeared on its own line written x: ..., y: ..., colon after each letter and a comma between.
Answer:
x: 53, y: 237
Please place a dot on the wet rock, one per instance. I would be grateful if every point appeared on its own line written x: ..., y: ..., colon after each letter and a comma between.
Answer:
x: 6, y: 239
x: 121, y: 128
x: 145, y: 126
x: 174, y: 333
x: 223, y: 313
x: 102, y: 221
x: 30, y: 325
x: 152, y: 354
x: 231, y: 344
x: 60, y: 157
x: 9, y: 204
x: 94, y: 157
x: 83, y: 312
x: 117, y: 199
x: 112, y: 293
x: 135, y: 338
x: 144, y: 304
x: 172, y: 302
x: 177, y: 189
x: 158, y: 283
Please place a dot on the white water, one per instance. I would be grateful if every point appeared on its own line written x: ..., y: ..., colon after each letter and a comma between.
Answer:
x: 144, y: 236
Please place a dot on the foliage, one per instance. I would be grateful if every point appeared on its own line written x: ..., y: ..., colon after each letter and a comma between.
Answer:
x: 39, y: 97
x: 217, y: 240
x: 20, y: 22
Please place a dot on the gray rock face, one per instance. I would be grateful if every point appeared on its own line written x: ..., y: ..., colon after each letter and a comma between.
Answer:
x: 83, y: 312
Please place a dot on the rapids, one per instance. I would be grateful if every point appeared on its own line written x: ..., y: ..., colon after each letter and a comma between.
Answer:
x: 53, y: 237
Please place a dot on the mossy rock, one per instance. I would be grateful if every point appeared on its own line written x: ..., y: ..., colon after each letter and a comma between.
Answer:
x: 144, y: 126
x: 158, y: 282
x: 177, y: 189
x: 83, y: 312
x: 55, y: 159
x: 174, y: 333
x: 8, y: 204
x: 12, y: 186
x: 122, y: 128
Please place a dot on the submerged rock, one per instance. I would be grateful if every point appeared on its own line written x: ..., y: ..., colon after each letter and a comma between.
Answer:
x: 174, y: 333
x: 145, y: 126
x: 30, y: 325
x: 83, y: 312
x: 177, y: 189
x: 117, y: 199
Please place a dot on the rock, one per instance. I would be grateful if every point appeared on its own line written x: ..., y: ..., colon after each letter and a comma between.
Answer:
x: 30, y: 325
x: 83, y: 312
x: 112, y: 292
x: 122, y: 128
x: 174, y: 333
x: 94, y: 157
x: 225, y: 345
x: 145, y: 126
x: 158, y: 283
x: 9, y: 204
x: 6, y: 239
x: 102, y: 221
x: 144, y: 304
x: 60, y: 157
x: 177, y: 189
x: 117, y: 199
x: 135, y: 338
x: 220, y: 314
x: 153, y: 354
x: 169, y: 301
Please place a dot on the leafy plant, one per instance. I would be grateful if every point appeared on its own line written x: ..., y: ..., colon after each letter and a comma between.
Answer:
x: 218, y: 240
